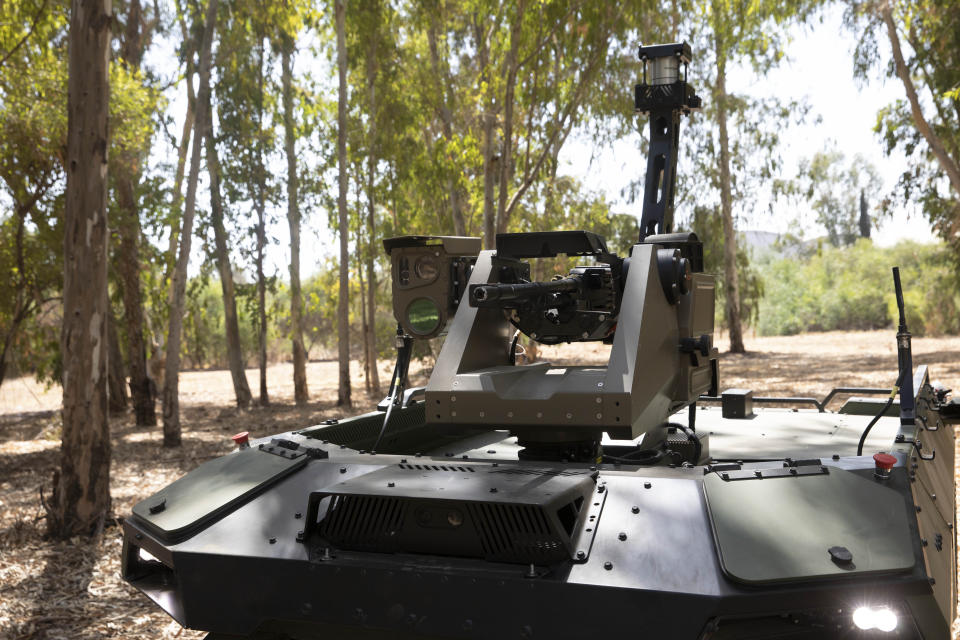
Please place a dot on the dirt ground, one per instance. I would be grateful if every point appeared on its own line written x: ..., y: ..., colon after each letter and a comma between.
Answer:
x: 72, y: 590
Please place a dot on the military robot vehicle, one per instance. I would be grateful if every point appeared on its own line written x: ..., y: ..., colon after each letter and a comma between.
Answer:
x: 630, y: 500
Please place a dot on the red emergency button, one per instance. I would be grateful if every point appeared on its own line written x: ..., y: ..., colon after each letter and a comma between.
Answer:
x: 883, y: 464
x: 242, y: 439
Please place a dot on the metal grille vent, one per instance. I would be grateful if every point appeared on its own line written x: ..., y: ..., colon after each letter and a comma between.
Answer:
x: 515, y: 533
x: 368, y: 522
x: 435, y: 467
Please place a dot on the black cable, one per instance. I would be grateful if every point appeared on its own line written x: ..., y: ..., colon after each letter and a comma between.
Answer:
x: 513, y: 348
x: 692, y: 436
x: 883, y: 411
x: 651, y: 457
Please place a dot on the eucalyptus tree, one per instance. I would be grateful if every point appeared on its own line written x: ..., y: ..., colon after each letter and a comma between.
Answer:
x: 343, y: 226
x: 130, y: 153
x: 178, y: 285
x: 834, y: 189
x: 81, y: 494
x: 924, y: 39
x: 245, y: 99
x: 295, y: 16
x: 739, y: 137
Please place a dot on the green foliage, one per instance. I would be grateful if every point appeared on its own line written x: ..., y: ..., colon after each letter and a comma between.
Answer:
x: 929, y: 31
x: 708, y: 226
x: 851, y: 289
x: 832, y: 187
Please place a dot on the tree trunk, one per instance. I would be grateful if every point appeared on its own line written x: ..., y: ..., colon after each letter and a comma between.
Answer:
x: 171, y: 387
x: 261, y: 242
x: 117, y: 398
x: 129, y: 230
x: 510, y: 83
x: 370, y: 334
x: 300, y: 393
x: 446, y: 117
x: 188, y: 126
x: 489, y: 119
x: 241, y: 389
x: 343, y: 309
x: 363, y: 310
x: 731, y: 283
x: 81, y: 494
x: 949, y: 165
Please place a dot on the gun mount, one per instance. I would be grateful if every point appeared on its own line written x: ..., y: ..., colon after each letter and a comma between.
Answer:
x: 506, y: 483
x: 651, y: 307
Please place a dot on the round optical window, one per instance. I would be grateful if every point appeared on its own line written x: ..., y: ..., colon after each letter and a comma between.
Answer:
x: 426, y: 268
x: 423, y: 316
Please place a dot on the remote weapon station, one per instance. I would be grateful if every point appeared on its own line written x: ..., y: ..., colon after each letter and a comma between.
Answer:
x: 512, y: 500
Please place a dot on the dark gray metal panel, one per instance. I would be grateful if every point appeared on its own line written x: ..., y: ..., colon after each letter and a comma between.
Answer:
x: 780, y: 529
x: 212, y: 488
x: 668, y: 546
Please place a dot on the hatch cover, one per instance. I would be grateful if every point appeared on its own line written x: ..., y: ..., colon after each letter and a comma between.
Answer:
x: 211, y: 489
x: 781, y: 529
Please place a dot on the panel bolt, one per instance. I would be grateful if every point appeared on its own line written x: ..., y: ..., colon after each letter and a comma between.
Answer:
x: 273, y: 541
x: 923, y: 541
x: 622, y: 536
x: 298, y: 515
x: 635, y: 509
x: 391, y: 484
x: 647, y: 485
x: 493, y: 489
x: 581, y: 555
x: 918, y: 509
x: 343, y: 469
x: 608, y: 565
x: 836, y: 456
x: 139, y: 536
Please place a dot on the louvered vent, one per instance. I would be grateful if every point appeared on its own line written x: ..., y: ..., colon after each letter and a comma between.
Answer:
x: 530, y: 516
x: 367, y: 522
x: 516, y: 533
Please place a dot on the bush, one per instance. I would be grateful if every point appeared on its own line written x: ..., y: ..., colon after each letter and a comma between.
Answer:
x: 851, y: 288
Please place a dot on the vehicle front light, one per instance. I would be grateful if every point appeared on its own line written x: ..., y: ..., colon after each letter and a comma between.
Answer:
x: 880, y: 618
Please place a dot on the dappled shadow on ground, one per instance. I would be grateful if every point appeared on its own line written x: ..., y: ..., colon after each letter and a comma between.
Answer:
x: 53, y: 590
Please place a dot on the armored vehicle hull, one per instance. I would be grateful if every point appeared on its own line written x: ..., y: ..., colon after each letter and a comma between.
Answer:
x: 306, y: 535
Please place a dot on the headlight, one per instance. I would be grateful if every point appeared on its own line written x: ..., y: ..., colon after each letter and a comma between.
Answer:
x: 880, y: 618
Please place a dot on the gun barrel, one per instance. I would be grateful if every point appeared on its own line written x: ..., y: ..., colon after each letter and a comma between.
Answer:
x: 484, y: 293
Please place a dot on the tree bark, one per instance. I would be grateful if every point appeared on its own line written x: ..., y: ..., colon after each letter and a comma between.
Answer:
x: 511, y: 64
x: 730, y: 280
x: 343, y: 309
x: 261, y: 241
x: 81, y: 494
x: 370, y: 335
x: 171, y: 386
x: 117, y: 398
x: 446, y: 117
x: 129, y: 230
x: 300, y: 393
x: 949, y: 165
x: 188, y: 127
x: 241, y: 389
x: 489, y: 119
